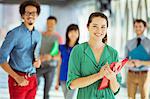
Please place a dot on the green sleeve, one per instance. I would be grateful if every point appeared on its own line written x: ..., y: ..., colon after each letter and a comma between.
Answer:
x: 74, y: 65
x: 119, y: 78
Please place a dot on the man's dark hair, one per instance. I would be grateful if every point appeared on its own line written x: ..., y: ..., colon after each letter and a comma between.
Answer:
x: 140, y: 21
x: 52, y: 18
x: 29, y: 3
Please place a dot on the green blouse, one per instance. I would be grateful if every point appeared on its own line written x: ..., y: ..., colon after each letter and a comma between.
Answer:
x: 82, y: 63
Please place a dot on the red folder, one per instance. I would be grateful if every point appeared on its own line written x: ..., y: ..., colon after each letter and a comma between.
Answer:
x: 105, y: 81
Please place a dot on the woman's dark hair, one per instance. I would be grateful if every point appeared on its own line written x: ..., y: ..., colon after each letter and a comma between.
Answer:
x: 140, y: 21
x: 104, y: 40
x: 70, y: 28
x: 52, y: 18
x: 98, y: 14
x: 29, y: 3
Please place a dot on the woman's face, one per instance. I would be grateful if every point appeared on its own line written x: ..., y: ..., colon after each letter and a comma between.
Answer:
x: 73, y: 35
x: 97, y: 28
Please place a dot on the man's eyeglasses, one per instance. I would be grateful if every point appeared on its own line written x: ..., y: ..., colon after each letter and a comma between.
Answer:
x: 30, y: 13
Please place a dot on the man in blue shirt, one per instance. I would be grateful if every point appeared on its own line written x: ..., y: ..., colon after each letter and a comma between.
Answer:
x: 22, y: 44
x: 138, y: 51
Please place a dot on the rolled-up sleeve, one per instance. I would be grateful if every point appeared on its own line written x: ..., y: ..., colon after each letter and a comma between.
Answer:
x: 7, y: 46
x: 119, y: 77
x: 74, y: 71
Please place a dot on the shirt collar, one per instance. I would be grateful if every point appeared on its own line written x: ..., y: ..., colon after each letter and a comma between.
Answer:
x: 142, y: 37
x: 103, y: 57
x: 23, y: 25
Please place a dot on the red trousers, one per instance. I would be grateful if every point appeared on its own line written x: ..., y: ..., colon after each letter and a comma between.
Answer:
x: 25, y: 92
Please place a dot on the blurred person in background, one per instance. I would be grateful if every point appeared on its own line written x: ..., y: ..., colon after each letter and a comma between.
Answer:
x: 72, y: 38
x: 49, y: 55
x: 138, y: 51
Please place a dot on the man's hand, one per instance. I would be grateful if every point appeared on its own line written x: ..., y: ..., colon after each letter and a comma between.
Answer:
x: 57, y: 57
x: 37, y: 63
x: 131, y: 63
x: 47, y: 57
x: 138, y: 63
x: 21, y: 81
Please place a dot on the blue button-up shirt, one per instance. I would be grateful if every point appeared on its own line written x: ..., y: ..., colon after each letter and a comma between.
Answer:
x: 22, y: 46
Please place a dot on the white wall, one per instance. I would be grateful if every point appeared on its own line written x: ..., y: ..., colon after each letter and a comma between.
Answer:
x: 77, y: 13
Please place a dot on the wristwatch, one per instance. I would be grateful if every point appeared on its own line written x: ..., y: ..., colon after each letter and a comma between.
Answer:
x: 134, y: 64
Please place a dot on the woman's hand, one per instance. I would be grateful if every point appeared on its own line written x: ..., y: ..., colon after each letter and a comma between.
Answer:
x: 114, y: 85
x: 109, y: 74
x: 102, y: 71
x: 117, y: 66
x: 57, y: 86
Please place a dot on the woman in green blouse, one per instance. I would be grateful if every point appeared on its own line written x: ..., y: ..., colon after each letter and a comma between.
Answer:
x: 88, y: 63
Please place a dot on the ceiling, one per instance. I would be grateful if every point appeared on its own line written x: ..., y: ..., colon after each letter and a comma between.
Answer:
x: 50, y: 2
